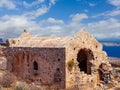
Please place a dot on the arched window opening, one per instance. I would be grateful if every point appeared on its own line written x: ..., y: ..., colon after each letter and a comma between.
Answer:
x: 35, y: 65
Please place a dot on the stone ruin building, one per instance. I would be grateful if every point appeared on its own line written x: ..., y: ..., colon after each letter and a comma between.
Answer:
x: 59, y: 62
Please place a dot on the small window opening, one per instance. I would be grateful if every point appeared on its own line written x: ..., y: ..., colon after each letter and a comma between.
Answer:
x: 96, y: 46
x: 74, y: 48
x: 58, y: 59
x: 35, y: 67
x: 58, y: 69
x: 35, y: 64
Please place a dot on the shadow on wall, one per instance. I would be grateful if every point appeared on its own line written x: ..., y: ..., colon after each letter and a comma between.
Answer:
x: 84, y: 57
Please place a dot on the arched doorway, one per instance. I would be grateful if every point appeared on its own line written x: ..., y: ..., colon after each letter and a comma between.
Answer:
x: 83, y: 57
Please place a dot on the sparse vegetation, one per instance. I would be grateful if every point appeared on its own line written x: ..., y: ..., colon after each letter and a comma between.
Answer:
x: 71, y: 63
x: 19, y: 88
x: 6, y: 80
x: 20, y: 85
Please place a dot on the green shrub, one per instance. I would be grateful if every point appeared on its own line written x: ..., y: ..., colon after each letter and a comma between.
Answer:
x: 71, y: 63
x: 19, y: 88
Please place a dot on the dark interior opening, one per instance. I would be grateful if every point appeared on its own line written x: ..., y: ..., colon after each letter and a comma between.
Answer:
x: 83, y: 57
x: 58, y: 69
x: 57, y: 76
x: 35, y: 64
x: 58, y: 59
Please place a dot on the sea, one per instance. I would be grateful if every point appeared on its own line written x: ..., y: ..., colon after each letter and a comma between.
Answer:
x: 112, y: 51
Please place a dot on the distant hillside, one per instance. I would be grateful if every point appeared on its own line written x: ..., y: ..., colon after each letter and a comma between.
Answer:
x: 114, y: 61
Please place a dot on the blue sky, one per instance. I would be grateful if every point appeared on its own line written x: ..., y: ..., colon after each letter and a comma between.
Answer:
x: 60, y: 18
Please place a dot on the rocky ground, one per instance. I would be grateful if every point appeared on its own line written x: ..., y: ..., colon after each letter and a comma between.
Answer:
x: 116, y: 67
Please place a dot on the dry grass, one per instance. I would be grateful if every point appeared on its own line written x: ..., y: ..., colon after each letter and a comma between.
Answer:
x: 6, y: 80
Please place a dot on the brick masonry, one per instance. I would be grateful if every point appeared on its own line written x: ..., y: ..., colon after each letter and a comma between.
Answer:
x: 49, y: 70
x: 45, y: 60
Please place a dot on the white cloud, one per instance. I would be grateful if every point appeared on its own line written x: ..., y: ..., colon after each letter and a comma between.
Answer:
x: 85, y: 10
x: 78, y: 17
x: 33, y: 3
x: 92, y: 5
x: 52, y: 1
x: 105, y: 28
x: 114, y: 13
x: 11, y: 26
x: 110, y: 44
x: 111, y: 13
x: 9, y: 4
x: 108, y: 24
x: 115, y: 2
x: 38, y: 12
x: 104, y: 24
x: 52, y: 21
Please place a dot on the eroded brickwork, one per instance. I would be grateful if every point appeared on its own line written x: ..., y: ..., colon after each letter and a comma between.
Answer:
x: 44, y: 65
x: 88, y: 55
x: 45, y: 60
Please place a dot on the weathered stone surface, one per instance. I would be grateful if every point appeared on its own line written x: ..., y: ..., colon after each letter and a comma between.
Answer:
x: 26, y: 40
x: 84, y: 47
x: 3, y: 59
x: 45, y: 60
x: 3, y: 63
x: 38, y: 64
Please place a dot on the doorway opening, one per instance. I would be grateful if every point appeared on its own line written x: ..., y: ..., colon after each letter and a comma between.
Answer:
x: 83, y: 57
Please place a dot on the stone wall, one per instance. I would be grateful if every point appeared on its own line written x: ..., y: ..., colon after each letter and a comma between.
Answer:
x: 91, y: 52
x: 44, y: 65
x: 72, y: 63
x: 3, y: 59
